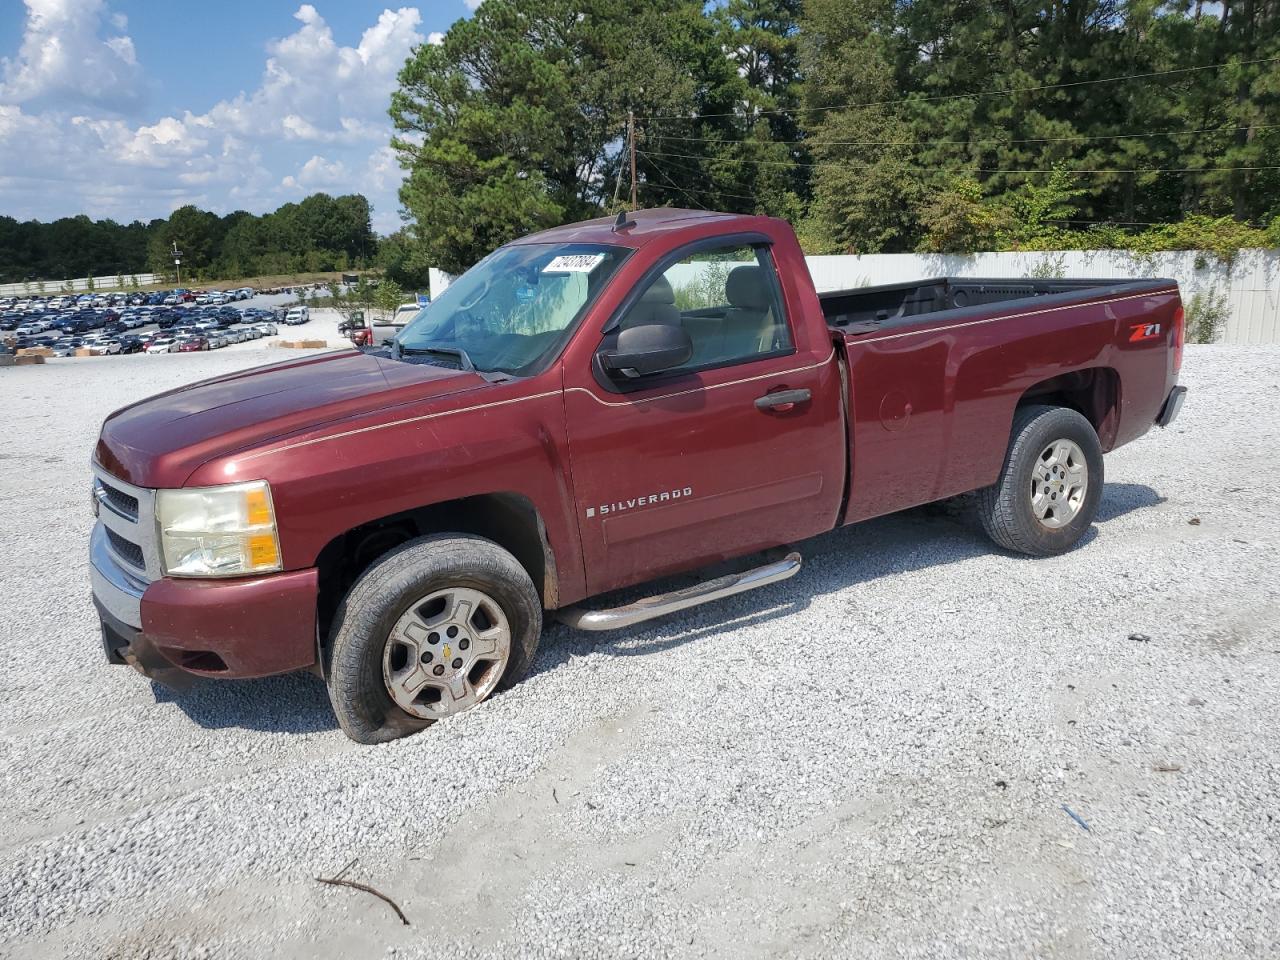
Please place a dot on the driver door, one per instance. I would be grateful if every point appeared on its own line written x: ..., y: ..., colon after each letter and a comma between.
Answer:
x: 695, y: 464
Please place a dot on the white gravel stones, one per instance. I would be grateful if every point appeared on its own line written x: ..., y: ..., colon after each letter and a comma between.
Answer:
x: 870, y: 759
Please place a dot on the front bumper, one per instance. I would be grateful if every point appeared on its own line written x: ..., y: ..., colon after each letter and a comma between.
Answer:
x: 172, y: 628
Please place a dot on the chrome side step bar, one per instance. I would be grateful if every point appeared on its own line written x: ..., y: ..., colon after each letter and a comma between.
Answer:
x: 665, y: 603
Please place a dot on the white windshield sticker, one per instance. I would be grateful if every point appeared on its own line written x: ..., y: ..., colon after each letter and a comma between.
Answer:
x: 574, y: 263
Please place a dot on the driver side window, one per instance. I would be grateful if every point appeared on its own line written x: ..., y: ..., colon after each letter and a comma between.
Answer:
x: 726, y: 298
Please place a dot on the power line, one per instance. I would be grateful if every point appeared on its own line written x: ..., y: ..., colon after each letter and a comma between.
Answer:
x: 708, y: 192
x: 962, y: 96
x: 688, y: 195
x: 1112, y: 223
x: 870, y: 166
x: 921, y: 143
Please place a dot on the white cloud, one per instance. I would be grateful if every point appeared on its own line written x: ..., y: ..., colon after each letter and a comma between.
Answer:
x: 383, y: 169
x: 313, y: 89
x: 435, y: 38
x: 316, y: 174
x: 473, y: 4
x: 65, y: 57
x: 244, y: 152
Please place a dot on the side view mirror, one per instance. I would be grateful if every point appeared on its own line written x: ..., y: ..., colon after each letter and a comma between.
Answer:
x: 648, y: 348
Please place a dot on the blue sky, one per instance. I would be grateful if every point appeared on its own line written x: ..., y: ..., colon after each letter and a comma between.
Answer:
x: 131, y: 108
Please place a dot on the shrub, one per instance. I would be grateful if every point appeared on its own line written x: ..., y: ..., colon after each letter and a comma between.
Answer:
x: 1206, y: 315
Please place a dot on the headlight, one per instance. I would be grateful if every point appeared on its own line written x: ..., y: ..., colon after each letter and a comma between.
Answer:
x: 224, y: 531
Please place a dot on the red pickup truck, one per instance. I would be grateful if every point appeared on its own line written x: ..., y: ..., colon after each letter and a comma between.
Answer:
x: 586, y: 409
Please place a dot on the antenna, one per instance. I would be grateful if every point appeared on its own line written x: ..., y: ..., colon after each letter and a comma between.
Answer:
x: 621, y: 222
x: 631, y: 140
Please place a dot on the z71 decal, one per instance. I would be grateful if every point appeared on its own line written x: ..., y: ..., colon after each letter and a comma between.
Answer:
x: 1144, y: 331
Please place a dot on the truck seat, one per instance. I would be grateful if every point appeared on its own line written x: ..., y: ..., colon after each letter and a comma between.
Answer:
x: 656, y: 305
x: 749, y: 326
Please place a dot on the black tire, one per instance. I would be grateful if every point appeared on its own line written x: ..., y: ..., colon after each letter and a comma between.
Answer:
x: 365, y: 710
x: 1005, y: 507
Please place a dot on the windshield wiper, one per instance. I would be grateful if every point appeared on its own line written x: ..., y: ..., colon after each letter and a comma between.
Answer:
x: 463, y: 359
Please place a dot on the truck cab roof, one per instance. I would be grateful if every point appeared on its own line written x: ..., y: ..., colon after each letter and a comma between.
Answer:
x: 645, y: 226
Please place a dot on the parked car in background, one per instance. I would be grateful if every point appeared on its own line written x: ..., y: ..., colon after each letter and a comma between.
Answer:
x: 191, y: 345
x: 359, y: 334
x: 406, y: 312
x: 383, y: 329
x: 297, y: 316
x: 102, y: 342
x: 160, y: 345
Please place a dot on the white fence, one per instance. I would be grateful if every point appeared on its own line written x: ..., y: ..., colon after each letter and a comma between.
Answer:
x: 437, y: 281
x: 124, y: 281
x: 1249, y: 290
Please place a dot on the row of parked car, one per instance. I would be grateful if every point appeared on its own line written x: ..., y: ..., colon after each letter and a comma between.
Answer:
x: 86, y: 301
x: 177, y: 340
x: 86, y: 321
x: 175, y: 330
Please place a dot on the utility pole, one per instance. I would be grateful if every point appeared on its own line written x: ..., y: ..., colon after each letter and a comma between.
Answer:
x: 177, y: 261
x: 631, y: 136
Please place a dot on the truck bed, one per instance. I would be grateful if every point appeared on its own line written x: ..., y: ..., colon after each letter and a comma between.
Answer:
x: 871, y: 309
x: 937, y: 367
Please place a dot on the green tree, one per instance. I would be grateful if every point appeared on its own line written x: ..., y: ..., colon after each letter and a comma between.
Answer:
x: 866, y: 194
x: 387, y: 295
x: 515, y: 121
x: 959, y: 219
x: 198, y: 235
x: 743, y: 155
x: 400, y: 256
x: 903, y: 99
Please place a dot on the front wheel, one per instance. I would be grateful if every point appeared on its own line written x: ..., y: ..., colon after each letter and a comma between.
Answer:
x: 1050, y: 485
x: 432, y: 629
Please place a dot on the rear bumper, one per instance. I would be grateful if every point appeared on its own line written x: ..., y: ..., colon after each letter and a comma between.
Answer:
x: 1172, y: 404
x: 172, y: 628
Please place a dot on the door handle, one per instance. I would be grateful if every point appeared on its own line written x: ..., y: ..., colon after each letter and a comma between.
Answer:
x: 780, y: 401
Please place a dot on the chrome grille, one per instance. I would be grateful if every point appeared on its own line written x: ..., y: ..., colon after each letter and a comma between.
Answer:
x: 127, y: 551
x: 118, y: 499
x: 127, y: 515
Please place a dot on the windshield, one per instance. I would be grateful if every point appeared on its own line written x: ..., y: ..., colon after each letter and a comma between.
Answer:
x: 515, y: 308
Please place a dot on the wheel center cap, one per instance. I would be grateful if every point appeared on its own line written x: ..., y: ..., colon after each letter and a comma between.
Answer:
x: 448, y: 652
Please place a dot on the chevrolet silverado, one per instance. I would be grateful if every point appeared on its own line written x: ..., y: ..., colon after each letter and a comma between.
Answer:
x: 586, y: 409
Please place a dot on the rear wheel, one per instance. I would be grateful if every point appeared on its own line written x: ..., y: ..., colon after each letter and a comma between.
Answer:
x: 432, y: 629
x: 1050, y: 485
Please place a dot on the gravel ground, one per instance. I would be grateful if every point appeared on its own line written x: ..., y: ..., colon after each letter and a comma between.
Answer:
x: 880, y: 757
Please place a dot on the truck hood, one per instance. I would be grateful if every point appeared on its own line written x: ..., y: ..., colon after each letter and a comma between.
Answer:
x: 160, y: 441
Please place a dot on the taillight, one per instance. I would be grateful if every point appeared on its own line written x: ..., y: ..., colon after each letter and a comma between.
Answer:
x: 1179, y: 336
